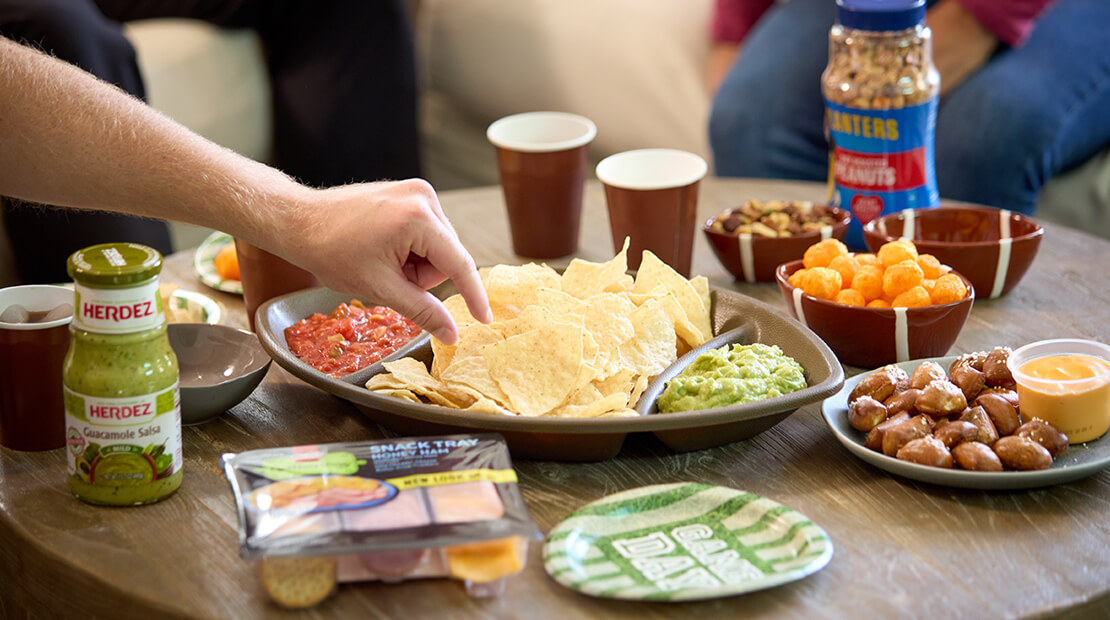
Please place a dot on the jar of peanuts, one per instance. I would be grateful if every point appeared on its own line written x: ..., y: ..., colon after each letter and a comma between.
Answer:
x: 881, y: 91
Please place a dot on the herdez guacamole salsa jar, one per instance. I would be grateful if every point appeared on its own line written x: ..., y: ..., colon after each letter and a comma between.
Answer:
x: 123, y: 408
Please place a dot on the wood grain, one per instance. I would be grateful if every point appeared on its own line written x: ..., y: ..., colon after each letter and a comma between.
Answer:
x: 902, y: 548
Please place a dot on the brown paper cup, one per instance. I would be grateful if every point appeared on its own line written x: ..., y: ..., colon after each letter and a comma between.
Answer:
x: 32, y: 411
x: 652, y: 195
x: 541, y: 158
x: 265, y: 276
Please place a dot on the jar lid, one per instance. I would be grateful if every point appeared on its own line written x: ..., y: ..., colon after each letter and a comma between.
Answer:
x: 880, y: 15
x: 114, y: 264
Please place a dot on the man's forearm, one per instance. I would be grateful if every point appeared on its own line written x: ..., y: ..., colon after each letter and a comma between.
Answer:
x: 67, y: 140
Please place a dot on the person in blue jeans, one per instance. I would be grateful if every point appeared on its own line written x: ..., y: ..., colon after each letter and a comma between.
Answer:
x: 1025, y: 92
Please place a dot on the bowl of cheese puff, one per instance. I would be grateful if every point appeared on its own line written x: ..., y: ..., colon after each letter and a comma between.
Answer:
x: 991, y: 247
x: 872, y: 309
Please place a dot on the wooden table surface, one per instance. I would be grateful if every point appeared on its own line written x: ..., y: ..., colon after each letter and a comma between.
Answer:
x: 902, y: 548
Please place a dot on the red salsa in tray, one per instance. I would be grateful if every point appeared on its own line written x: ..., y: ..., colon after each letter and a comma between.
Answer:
x: 351, y: 337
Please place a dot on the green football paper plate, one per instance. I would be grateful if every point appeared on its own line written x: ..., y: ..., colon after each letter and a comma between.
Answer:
x: 204, y: 264
x: 684, y: 541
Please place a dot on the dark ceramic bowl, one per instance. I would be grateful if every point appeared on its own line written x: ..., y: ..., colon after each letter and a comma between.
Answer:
x: 754, y: 258
x: 219, y: 365
x: 991, y: 247
x: 872, y: 337
x: 736, y: 319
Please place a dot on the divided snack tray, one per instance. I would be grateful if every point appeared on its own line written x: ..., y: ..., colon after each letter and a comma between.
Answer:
x: 736, y: 319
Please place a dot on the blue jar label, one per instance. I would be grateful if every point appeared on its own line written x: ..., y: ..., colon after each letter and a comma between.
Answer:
x: 881, y: 161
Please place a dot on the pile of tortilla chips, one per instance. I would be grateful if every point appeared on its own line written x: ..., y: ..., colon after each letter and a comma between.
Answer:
x: 585, y: 343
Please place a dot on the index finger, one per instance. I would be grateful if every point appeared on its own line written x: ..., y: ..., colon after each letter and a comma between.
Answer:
x: 447, y: 254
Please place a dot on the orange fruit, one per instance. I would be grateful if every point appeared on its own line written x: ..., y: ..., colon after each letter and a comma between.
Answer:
x: 227, y: 262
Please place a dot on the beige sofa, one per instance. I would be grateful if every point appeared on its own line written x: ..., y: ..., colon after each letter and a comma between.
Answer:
x: 633, y: 67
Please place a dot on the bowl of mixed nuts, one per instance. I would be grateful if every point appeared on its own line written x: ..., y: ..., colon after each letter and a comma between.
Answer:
x: 752, y: 240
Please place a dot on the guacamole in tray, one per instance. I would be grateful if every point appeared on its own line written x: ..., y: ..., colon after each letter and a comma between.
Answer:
x: 732, y: 375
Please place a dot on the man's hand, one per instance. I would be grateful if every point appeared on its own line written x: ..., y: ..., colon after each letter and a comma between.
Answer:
x: 389, y: 241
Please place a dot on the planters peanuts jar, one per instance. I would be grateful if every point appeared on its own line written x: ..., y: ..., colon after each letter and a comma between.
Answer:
x: 120, y: 378
x: 881, y: 92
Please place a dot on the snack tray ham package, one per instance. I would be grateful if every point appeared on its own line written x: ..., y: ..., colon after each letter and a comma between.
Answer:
x: 388, y: 510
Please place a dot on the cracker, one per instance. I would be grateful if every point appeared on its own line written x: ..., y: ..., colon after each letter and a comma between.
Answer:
x: 298, y: 582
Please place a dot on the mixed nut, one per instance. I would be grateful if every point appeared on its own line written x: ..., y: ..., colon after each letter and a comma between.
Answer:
x: 967, y: 417
x: 774, y: 218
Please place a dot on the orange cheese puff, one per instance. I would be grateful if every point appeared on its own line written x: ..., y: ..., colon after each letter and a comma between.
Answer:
x: 850, y: 297
x: 822, y: 283
x: 878, y: 303
x: 916, y: 297
x: 869, y: 282
x: 226, y: 262
x: 930, y: 266
x: 846, y: 265
x: 797, y: 278
x: 820, y: 254
x: 868, y: 259
x: 901, y: 277
x: 928, y: 285
x: 894, y: 252
x: 949, y: 288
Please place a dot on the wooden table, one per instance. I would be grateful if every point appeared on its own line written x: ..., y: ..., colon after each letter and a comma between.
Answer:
x: 901, y: 548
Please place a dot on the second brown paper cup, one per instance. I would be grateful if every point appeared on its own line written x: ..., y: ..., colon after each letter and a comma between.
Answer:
x: 652, y: 197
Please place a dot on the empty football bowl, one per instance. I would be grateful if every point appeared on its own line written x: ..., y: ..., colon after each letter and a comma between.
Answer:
x: 993, y: 248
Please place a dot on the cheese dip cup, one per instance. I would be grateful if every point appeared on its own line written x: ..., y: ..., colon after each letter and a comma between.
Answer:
x: 1065, y: 383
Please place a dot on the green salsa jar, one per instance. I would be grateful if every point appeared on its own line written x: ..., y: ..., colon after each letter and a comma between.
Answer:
x: 123, y: 407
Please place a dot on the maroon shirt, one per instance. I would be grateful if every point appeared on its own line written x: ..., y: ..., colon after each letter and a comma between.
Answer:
x: 1010, y: 20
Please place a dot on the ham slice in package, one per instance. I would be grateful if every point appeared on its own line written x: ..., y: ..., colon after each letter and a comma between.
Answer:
x: 388, y: 510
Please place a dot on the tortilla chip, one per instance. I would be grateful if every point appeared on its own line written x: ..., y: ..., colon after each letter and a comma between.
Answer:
x: 537, y: 369
x: 654, y: 272
x: 472, y: 372
x: 652, y: 349
x: 584, y: 279
x: 517, y: 285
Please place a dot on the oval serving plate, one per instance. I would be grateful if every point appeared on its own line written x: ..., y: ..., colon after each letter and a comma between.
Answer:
x: 683, y: 542
x: 735, y: 317
x: 205, y: 267
x: 1079, y: 461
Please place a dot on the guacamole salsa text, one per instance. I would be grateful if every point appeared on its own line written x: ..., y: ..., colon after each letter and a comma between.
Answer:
x: 732, y: 375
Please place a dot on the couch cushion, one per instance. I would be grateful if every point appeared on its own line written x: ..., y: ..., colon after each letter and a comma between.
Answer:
x: 632, y: 67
